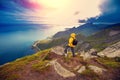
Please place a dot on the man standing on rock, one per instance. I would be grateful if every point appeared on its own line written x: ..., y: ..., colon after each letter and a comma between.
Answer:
x: 72, y: 42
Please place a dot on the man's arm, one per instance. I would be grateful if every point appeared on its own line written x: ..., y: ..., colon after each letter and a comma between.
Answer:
x: 70, y: 42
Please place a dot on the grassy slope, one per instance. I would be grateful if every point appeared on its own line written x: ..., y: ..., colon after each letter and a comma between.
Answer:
x: 101, y: 40
x: 38, y: 63
x: 10, y: 71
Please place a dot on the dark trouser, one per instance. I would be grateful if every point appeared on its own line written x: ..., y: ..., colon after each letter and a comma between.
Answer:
x: 72, y: 49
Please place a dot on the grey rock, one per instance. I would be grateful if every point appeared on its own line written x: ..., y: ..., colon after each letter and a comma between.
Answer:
x: 61, y: 70
x: 58, y: 50
x: 83, y: 68
x: 89, y: 54
x: 96, y: 69
x: 111, y: 51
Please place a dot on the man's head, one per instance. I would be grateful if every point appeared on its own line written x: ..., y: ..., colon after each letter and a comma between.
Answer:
x: 73, y: 35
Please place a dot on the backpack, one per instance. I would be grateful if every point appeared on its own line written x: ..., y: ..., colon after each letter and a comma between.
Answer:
x: 74, y: 42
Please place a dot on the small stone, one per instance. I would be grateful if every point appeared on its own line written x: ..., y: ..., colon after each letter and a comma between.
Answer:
x: 77, y: 67
x: 83, y: 68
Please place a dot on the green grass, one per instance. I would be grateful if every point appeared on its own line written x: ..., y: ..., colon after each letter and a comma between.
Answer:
x: 109, y: 62
x: 112, y: 64
x: 41, y: 66
x: 9, y: 70
x: 68, y: 57
x: 100, y: 47
x: 117, y: 59
x: 90, y: 73
x: 13, y: 77
x: 52, y: 43
x: 44, y: 41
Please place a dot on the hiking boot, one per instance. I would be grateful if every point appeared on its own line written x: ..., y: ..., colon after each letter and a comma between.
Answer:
x: 65, y: 55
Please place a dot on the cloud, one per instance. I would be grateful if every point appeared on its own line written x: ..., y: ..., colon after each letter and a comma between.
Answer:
x: 82, y: 21
x: 110, y: 6
x: 65, y: 12
x: 110, y: 12
x: 28, y: 4
x: 8, y: 9
x: 10, y: 6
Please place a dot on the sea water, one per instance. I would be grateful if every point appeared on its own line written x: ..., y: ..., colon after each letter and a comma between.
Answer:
x: 16, y: 41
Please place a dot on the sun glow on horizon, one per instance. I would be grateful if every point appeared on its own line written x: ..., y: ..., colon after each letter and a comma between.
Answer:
x: 63, y: 12
x: 50, y: 3
x: 53, y: 3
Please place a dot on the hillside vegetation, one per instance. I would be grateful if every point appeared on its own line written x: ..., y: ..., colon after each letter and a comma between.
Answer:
x: 47, y: 65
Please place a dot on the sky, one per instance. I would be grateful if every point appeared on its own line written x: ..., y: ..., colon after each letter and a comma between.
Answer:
x: 58, y: 12
x: 110, y: 11
x: 50, y: 12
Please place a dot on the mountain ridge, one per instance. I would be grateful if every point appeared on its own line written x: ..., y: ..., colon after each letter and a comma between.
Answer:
x: 86, y: 29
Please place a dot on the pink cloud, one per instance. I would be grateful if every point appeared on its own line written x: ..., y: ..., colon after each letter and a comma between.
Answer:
x: 34, y: 5
x: 30, y: 5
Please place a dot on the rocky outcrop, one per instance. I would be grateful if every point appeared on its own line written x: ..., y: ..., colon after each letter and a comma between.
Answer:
x: 90, y: 54
x: 61, y: 70
x: 111, y: 51
x: 58, y: 50
x: 35, y: 45
x: 96, y: 69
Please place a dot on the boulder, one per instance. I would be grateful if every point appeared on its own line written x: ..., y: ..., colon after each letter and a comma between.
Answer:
x: 92, y: 53
x: 96, y: 69
x: 61, y: 70
x: 111, y: 51
x: 58, y: 50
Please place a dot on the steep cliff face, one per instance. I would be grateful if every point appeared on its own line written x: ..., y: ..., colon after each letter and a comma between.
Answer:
x: 52, y: 65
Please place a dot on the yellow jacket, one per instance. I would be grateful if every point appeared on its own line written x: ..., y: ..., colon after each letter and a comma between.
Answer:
x: 72, y: 37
